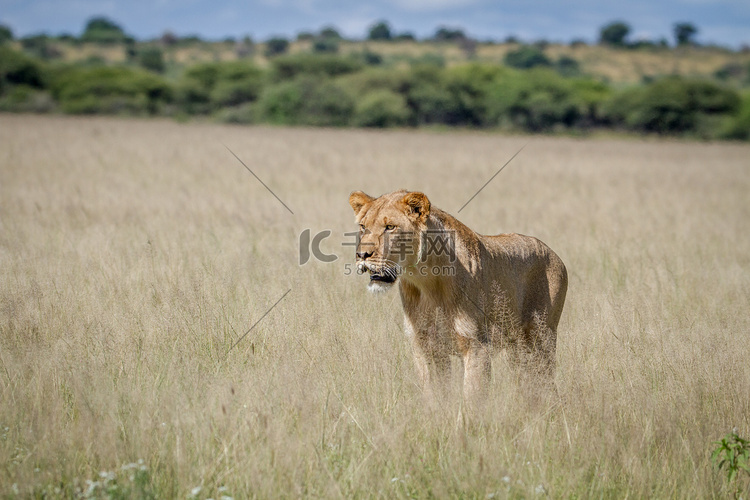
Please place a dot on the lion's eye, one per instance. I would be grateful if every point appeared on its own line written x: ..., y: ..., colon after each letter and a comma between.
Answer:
x: 361, y: 227
x: 390, y: 227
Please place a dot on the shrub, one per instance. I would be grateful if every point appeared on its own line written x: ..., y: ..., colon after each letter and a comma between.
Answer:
x: 671, y: 105
x: 326, y: 45
x: 25, y: 99
x: 6, y: 34
x: 152, y: 59
x: 276, y: 46
x: 525, y: 57
x: 245, y: 113
x: 363, y: 82
x: 103, y: 30
x: 568, y: 66
x: 307, y: 101
x: 209, y: 86
x: 380, y: 31
x: 428, y: 98
x: 17, y: 68
x: 738, y: 125
x: 237, y: 83
x: 321, y: 65
x: 381, y: 108
x: 40, y: 46
x: 112, y: 90
x: 535, y: 101
x: 469, y: 85
x: 614, y: 33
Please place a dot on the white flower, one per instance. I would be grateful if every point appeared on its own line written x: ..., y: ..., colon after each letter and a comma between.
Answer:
x: 194, y: 492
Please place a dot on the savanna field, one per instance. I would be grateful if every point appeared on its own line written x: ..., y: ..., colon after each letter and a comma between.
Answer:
x: 160, y: 339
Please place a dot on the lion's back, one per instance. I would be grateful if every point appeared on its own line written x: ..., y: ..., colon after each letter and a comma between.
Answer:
x: 534, y: 266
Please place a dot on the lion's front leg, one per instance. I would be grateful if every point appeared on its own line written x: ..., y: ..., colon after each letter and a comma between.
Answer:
x: 431, y: 358
x: 477, y: 373
x: 433, y: 368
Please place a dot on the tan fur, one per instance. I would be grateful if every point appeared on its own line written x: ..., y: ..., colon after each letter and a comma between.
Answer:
x: 494, y: 291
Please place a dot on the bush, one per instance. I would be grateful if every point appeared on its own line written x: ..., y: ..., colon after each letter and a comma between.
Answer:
x: 25, y: 99
x: 152, y: 59
x: 306, y: 101
x: 103, y: 30
x: 469, y: 85
x: 321, y: 65
x: 671, y: 105
x: 6, y: 34
x: 380, y: 31
x: 207, y: 87
x: 237, y: 83
x: 381, y: 108
x: 246, y: 113
x: 361, y: 83
x: 111, y: 90
x: 535, y: 101
x: 738, y: 125
x: 19, y: 69
x: 614, y: 33
x: 568, y: 66
x: 526, y: 57
x: 276, y: 46
x: 40, y: 46
x: 428, y: 97
x: 326, y: 45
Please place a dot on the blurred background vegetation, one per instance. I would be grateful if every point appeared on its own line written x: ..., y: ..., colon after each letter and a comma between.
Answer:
x: 388, y: 80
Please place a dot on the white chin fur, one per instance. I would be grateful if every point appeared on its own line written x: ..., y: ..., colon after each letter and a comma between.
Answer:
x: 379, y: 286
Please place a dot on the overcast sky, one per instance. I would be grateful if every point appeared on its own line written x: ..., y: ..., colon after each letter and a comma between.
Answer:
x: 726, y: 22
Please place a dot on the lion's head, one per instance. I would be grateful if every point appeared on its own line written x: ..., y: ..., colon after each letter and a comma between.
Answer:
x: 390, y: 234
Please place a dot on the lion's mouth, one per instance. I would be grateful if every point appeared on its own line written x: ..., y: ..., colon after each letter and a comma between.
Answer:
x: 382, y: 277
x: 385, y: 275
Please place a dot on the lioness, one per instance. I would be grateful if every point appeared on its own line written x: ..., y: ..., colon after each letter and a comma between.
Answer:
x: 463, y: 293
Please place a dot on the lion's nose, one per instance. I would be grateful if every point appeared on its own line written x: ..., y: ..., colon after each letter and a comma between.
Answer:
x: 364, y: 255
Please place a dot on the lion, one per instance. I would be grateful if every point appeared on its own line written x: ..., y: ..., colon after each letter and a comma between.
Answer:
x: 462, y: 293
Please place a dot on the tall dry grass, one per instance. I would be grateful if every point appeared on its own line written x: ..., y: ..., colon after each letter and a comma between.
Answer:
x: 135, y: 254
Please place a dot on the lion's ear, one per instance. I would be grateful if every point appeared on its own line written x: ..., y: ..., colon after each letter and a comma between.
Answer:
x: 358, y: 199
x: 418, y: 206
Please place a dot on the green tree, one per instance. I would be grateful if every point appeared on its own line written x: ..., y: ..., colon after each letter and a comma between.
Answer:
x: 614, y: 34
x: 40, y: 46
x: 152, y: 59
x: 330, y: 32
x: 538, y: 100
x: 326, y: 45
x: 17, y: 68
x: 568, y: 66
x: 103, y: 30
x: 684, y: 33
x: 381, y: 108
x: 290, y: 66
x: 110, y: 90
x: 738, y: 126
x: 276, y: 46
x: 307, y: 101
x: 380, y: 31
x: 674, y: 105
x: 444, y: 34
x: 525, y: 57
x: 6, y: 34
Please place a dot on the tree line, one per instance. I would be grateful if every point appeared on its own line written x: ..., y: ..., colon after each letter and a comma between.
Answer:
x: 529, y: 92
x: 105, y: 31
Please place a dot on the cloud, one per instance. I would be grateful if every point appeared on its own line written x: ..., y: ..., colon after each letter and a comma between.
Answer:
x: 433, y: 5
